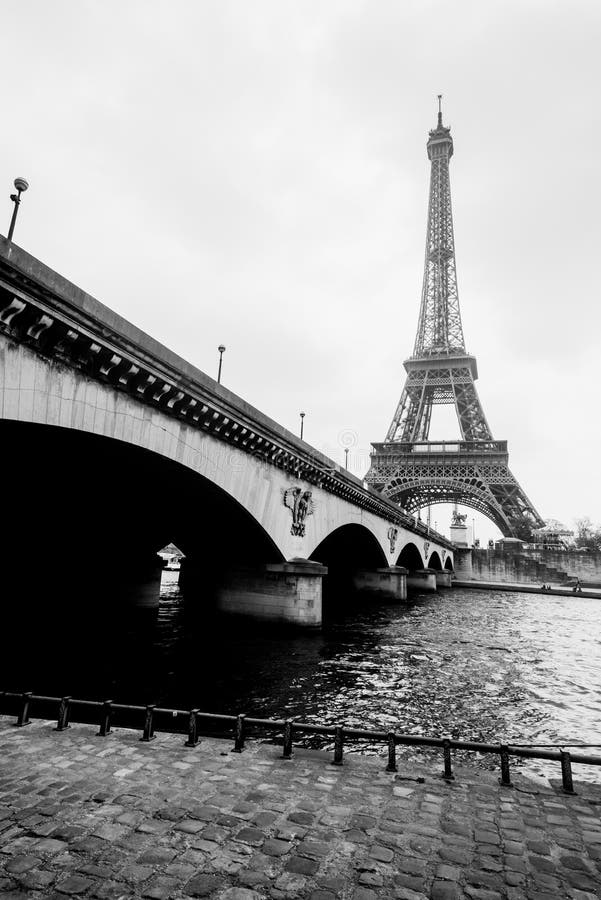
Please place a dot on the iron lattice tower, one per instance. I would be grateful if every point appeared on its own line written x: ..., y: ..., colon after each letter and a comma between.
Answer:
x: 473, y: 471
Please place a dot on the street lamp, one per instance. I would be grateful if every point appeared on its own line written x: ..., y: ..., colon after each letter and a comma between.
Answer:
x: 21, y: 185
x: 302, y: 418
x: 221, y: 349
x: 346, y: 457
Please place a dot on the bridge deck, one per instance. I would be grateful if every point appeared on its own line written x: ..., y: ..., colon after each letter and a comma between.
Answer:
x: 45, y: 310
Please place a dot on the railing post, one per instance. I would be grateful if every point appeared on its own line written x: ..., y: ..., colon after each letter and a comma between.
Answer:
x: 287, y: 751
x: 23, y: 717
x: 105, y: 718
x: 505, y: 779
x: 192, y: 729
x: 448, y: 769
x: 239, y: 736
x: 338, y: 745
x: 148, y: 733
x: 64, y: 708
x: 566, y: 773
x: 391, y: 740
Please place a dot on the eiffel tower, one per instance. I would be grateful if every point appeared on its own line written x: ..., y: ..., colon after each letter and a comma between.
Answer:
x: 472, y: 471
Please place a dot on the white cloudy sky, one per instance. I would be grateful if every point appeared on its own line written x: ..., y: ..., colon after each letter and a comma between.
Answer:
x: 253, y: 172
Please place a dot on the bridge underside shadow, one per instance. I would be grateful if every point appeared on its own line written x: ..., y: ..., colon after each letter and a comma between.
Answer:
x: 91, y: 500
x: 83, y: 519
x: 357, y: 570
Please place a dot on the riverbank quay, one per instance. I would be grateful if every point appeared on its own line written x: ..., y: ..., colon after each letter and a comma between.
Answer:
x: 114, y: 817
x: 557, y: 590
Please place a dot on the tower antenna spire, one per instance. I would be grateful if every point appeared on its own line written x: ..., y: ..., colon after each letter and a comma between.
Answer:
x: 440, y: 110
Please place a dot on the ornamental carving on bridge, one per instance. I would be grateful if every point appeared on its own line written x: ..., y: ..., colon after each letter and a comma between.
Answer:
x: 301, y: 504
x: 393, y: 533
x: 426, y: 548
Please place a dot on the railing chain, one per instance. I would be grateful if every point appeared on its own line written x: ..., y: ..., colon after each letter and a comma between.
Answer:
x: 290, y: 726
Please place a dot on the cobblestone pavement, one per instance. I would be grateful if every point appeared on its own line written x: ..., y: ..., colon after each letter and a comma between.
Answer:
x: 93, y: 817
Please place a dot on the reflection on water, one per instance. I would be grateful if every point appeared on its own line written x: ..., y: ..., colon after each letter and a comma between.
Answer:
x: 486, y: 666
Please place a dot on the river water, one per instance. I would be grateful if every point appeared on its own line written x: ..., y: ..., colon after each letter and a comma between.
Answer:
x: 476, y: 665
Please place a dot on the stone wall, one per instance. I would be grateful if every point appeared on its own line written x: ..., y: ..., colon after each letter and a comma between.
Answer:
x: 535, y: 566
x: 499, y: 565
x: 577, y: 563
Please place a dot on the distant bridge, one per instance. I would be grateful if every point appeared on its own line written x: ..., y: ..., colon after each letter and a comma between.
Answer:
x: 114, y: 446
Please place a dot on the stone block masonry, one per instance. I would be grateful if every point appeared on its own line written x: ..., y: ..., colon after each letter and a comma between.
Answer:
x: 529, y: 566
x: 422, y: 580
x: 279, y: 592
x: 388, y: 583
x: 89, y: 817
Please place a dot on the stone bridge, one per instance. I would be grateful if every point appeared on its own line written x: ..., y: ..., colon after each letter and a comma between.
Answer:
x: 114, y: 446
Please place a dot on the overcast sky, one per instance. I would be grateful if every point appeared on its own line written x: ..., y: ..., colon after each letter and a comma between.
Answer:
x: 254, y: 173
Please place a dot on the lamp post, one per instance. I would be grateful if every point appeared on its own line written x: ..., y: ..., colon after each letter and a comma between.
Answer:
x: 302, y: 418
x: 221, y: 349
x: 346, y: 457
x: 21, y: 185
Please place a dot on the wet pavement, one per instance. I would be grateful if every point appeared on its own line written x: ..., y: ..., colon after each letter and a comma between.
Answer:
x: 112, y: 817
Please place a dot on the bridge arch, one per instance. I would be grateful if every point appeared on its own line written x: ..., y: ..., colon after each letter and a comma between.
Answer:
x: 435, y: 562
x: 410, y: 557
x: 247, y: 464
x: 71, y: 399
x: 345, y: 551
x: 473, y: 493
x: 107, y: 506
x: 352, y: 542
x: 449, y: 564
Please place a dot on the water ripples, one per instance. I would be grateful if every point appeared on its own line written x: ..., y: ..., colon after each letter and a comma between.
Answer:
x: 477, y: 665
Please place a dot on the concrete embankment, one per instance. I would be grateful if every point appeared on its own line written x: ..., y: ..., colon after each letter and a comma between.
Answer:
x: 113, y: 817
x: 557, y: 590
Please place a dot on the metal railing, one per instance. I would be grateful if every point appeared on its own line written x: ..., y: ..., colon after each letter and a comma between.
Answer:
x: 454, y: 447
x: 152, y: 718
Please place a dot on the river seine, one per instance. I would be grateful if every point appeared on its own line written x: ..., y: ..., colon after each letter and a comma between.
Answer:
x: 477, y: 665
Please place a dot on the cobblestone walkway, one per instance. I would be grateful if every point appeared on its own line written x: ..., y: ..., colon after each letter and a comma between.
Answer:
x: 86, y: 816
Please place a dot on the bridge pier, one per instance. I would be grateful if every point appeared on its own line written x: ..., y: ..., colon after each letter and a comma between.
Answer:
x: 388, y: 583
x: 289, y: 592
x: 444, y: 579
x: 463, y: 563
x: 422, y: 580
